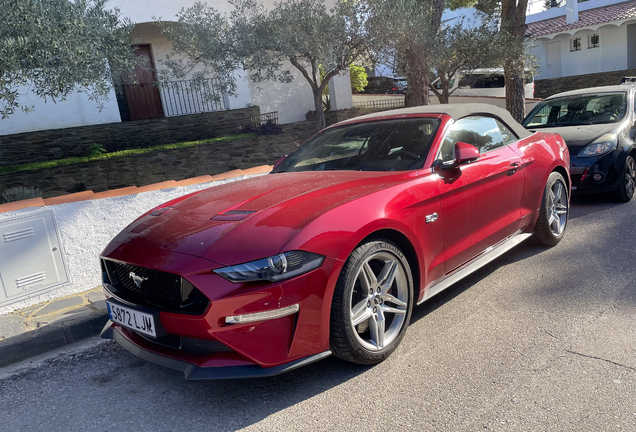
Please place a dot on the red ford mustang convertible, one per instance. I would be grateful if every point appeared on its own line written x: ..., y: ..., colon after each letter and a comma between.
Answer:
x: 330, y: 252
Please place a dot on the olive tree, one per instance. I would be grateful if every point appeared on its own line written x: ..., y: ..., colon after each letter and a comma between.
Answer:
x: 462, y: 47
x: 58, y: 46
x: 410, y: 34
x: 269, y: 43
x: 406, y: 31
x: 512, y: 43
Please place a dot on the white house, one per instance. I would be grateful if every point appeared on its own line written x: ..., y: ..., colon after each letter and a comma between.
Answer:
x: 145, y: 100
x: 584, y: 38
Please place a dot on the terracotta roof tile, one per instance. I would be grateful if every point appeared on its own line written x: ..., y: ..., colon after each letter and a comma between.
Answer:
x: 615, y: 12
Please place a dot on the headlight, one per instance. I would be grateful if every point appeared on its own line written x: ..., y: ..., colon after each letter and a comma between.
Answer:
x: 275, y: 268
x: 602, y: 145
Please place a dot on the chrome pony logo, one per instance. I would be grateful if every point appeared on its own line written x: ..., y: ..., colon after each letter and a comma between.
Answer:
x: 138, y: 280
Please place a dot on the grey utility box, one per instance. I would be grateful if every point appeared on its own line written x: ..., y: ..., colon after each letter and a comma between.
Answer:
x: 31, y: 259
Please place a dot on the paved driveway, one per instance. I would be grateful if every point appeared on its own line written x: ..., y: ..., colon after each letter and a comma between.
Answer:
x: 538, y: 340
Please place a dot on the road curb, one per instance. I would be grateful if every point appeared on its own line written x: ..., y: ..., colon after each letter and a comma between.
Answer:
x: 35, y: 342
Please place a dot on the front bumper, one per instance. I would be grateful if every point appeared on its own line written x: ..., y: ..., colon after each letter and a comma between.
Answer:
x: 609, y: 167
x: 192, y: 371
x: 262, y: 348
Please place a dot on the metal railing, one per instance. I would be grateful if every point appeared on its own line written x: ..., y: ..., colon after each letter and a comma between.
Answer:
x: 192, y: 96
x: 270, y: 117
x: 382, y: 103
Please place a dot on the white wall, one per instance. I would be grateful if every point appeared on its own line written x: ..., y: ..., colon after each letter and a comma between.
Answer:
x: 614, y: 50
x: 150, y: 33
x: 86, y: 227
x: 76, y: 110
x: 611, y: 55
x: 340, y: 91
x: 292, y: 101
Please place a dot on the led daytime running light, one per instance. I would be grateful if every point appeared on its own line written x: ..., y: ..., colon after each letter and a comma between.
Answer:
x: 262, y: 316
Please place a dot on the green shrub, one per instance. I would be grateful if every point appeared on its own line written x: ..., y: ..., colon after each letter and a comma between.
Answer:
x: 95, y: 150
x: 358, y: 76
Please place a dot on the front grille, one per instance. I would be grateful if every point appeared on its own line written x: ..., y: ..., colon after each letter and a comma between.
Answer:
x: 154, y: 288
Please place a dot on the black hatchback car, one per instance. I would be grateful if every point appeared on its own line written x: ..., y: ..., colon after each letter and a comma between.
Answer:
x: 599, y: 127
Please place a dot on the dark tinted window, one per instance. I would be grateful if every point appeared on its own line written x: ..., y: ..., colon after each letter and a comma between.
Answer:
x: 482, y: 132
x: 389, y: 145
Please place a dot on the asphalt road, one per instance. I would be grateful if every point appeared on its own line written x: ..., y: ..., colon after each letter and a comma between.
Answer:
x: 540, y: 339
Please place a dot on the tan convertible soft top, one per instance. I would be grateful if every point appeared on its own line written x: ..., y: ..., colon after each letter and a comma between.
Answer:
x: 455, y: 111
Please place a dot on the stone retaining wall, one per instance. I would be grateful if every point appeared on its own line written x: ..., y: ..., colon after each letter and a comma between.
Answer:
x: 548, y: 87
x: 176, y: 164
x: 72, y: 142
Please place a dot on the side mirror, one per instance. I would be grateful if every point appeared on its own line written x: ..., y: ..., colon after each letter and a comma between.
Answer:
x: 465, y: 153
x: 279, y: 161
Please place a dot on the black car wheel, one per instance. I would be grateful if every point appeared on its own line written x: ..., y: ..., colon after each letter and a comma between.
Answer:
x: 372, y: 303
x: 625, y: 190
x: 554, y: 212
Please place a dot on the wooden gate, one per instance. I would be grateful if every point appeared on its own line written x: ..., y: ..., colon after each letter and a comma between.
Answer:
x: 143, y: 98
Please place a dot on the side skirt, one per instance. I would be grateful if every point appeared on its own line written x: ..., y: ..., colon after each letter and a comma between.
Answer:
x: 475, y: 264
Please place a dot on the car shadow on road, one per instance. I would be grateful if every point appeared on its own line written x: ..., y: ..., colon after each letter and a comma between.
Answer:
x: 523, y: 251
x: 584, y: 205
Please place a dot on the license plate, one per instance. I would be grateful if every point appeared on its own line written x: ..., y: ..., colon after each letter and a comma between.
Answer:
x: 133, y: 319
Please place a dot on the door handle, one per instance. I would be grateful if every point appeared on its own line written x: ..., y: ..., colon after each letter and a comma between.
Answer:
x: 514, y: 167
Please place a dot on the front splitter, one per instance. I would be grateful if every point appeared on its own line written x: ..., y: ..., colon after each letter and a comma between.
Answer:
x: 194, y: 372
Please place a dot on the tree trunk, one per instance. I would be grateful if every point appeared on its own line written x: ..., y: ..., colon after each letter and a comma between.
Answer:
x: 417, y: 76
x: 515, y: 92
x: 320, y: 113
x: 513, y: 20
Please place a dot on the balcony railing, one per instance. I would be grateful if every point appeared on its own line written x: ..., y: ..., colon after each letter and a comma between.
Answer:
x: 270, y: 117
x: 192, y: 96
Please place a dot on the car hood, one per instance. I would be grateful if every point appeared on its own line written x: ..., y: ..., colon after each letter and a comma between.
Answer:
x: 577, y: 137
x: 249, y: 219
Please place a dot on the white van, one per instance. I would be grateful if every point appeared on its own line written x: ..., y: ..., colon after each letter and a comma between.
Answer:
x: 484, y: 82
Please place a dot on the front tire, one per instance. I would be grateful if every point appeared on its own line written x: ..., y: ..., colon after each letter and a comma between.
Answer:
x: 554, y: 212
x: 625, y: 190
x: 372, y: 303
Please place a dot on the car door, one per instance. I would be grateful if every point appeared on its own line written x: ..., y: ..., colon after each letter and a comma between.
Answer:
x: 480, y: 201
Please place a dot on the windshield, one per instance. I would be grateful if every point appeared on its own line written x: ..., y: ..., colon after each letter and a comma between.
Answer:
x: 387, y: 145
x: 579, y: 110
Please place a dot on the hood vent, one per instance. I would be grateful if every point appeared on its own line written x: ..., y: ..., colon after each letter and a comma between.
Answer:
x: 233, y: 215
x: 237, y: 212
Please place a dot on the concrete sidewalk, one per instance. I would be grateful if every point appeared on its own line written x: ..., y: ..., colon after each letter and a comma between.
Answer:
x: 37, y: 329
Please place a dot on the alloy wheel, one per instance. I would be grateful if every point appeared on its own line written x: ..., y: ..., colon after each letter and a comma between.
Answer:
x: 379, y: 301
x: 558, y: 208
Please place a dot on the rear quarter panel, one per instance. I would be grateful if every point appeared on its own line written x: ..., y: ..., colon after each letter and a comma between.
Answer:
x: 541, y: 153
